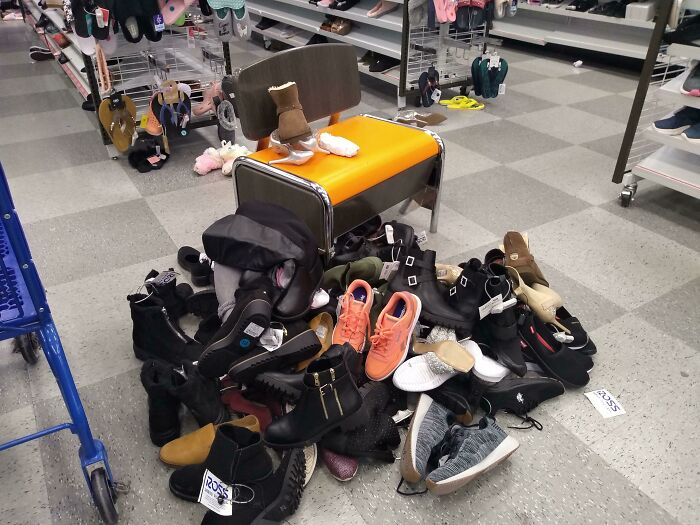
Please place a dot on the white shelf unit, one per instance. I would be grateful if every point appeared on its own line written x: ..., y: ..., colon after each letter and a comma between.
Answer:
x: 538, y: 24
x: 673, y: 141
x: 683, y: 51
x: 674, y: 168
x: 671, y: 92
x: 381, y: 35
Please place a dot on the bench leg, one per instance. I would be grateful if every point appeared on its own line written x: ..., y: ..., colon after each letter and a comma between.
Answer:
x: 405, y: 205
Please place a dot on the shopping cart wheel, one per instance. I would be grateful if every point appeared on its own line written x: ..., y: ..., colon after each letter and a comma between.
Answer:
x: 104, y: 496
x: 28, y: 346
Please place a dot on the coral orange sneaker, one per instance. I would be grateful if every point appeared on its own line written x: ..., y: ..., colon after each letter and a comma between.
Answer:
x: 392, y: 335
x: 353, y: 321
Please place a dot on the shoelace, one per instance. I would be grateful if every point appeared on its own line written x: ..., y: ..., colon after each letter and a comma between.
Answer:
x: 350, y: 321
x: 380, y: 342
x: 527, y: 419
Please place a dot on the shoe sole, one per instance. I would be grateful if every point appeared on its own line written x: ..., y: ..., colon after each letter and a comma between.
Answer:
x: 449, y: 352
x: 298, y: 348
x: 258, y: 312
x: 282, y: 389
x: 455, y: 325
x: 289, y: 497
x: 407, y: 467
x: 671, y: 132
x: 498, y: 456
x: 408, y: 343
x: 182, y: 495
x: 202, y: 304
x: 161, y: 439
x: 144, y: 355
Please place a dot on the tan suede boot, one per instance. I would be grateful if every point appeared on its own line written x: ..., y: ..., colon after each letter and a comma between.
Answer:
x: 193, y: 448
x: 292, y: 122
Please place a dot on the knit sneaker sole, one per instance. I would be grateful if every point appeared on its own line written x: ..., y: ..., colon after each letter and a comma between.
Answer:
x: 408, y: 467
x: 499, y: 455
x: 287, y: 502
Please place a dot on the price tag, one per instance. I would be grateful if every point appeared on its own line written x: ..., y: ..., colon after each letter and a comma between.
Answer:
x: 321, y: 332
x: 436, y: 95
x: 253, y: 330
x: 502, y: 89
x: 158, y: 23
x: 272, y: 338
x: 389, y: 233
x: 102, y: 16
x: 605, y: 403
x: 422, y: 238
x: 216, y: 495
x: 494, y: 61
x: 387, y: 269
x: 485, y: 309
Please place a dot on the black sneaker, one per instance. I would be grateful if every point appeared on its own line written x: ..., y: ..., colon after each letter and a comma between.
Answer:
x: 241, y: 331
x: 519, y: 395
x: 266, y: 23
x: 41, y: 55
x: 581, y: 342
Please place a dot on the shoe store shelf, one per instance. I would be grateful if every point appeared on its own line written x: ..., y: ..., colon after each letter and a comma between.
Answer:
x: 300, y: 39
x: 671, y: 92
x: 680, y: 50
x: 672, y: 167
x: 560, y: 10
x: 674, y: 141
x: 365, y: 37
x: 577, y: 32
x: 357, y: 13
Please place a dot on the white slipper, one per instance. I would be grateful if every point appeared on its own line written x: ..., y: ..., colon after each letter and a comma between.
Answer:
x: 422, y: 373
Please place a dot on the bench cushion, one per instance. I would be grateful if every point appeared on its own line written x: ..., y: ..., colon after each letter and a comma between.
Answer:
x: 386, y: 149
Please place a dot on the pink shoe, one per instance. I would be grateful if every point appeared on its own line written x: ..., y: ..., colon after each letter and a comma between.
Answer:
x: 173, y: 9
x: 451, y: 10
x: 207, y: 104
x: 342, y: 468
x: 440, y: 10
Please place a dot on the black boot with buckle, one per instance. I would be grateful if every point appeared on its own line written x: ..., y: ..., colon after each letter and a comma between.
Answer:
x: 465, y: 295
x: 416, y: 275
x: 329, y: 397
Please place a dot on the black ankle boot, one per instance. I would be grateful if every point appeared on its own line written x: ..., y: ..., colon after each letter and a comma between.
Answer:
x: 465, y: 296
x: 503, y: 328
x: 287, y: 387
x: 329, y: 397
x: 416, y: 275
x: 236, y: 456
x: 270, y: 500
x: 200, y: 395
x: 156, y: 335
x: 189, y: 259
x: 241, y: 331
x: 461, y: 395
x: 164, y: 286
x: 387, y: 244
x: 163, y: 420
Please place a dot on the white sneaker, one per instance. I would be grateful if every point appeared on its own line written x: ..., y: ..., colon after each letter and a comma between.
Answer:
x: 422, y: 373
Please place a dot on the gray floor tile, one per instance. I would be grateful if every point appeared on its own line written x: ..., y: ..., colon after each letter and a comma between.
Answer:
x: 325, y: 499
x: 50, y: 81
x: 38, y: 197
x: 21, y: 104
x: 518, y: 75
x: 472, y: 195
x: 609, y: 146
x: 65, y: 151
x: 505, y: 141
x: 615, y: 107
x: 617, y: 82
x: 25, y: 71
x: 460, y: 161
x: 559, y: 91
x: 24, y: 498
x: 458, y: 119
x: 572, y: 125
x: 672, y: 314
x: 662, y: 210
x: 514, y: 103
x: 207, y: 203
x: 577, y: 171
x: 100, y: 239
x: 87, y: 309
x: 15, y: 392
x: 546, y: 67
x: 12, y: 58
x: 35, y: 126
x: 116, y: 409
x: 580, y: 245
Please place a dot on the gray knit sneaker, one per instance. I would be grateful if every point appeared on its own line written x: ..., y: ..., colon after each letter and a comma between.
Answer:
x: 428, y: 428
x: 470, y: 452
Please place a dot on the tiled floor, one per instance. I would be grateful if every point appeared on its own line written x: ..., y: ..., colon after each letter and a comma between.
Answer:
x: 539, y: 158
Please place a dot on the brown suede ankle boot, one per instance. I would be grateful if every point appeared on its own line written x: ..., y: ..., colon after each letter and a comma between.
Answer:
x: 292, y: 122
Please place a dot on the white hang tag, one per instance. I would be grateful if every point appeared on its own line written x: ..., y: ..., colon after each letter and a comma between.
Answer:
x: 485, y: 309
x: 387, y: 269
x: 494, y: 61
x: 563, y: 337
x: 339, y: 308
x: 216, y: 495
x: 389, y: 233
x: 272, y: 338
x: 497, y: 309
x: 422, y: 238
x: 253, y: 330
x: 102, y: 16
x: 605, y: 403
x: 501, y: 89
x: 321, y: 332
x: 436, y: 95
x: 441, y: 273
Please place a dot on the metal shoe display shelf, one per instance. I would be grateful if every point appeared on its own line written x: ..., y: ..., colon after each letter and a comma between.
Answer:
x: 25, y: 316
x: 645, y: 153
x: 449, y: 49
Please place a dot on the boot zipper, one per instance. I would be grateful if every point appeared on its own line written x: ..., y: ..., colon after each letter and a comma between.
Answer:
x: 321, y: 394
x: 335, y: 392
x: 172, y: 327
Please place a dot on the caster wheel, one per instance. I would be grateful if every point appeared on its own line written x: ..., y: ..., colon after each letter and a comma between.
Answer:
x: 104, y: 496
x: 463, y: 91
x: 267, y: 44
x: 625, y: 198
x: 28, y: 346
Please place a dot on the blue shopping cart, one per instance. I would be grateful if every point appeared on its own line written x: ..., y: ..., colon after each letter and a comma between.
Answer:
x: 25, y: 317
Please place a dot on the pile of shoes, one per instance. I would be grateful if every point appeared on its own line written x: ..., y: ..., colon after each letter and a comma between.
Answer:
x: 311, y: 363
x: 335, y: 24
